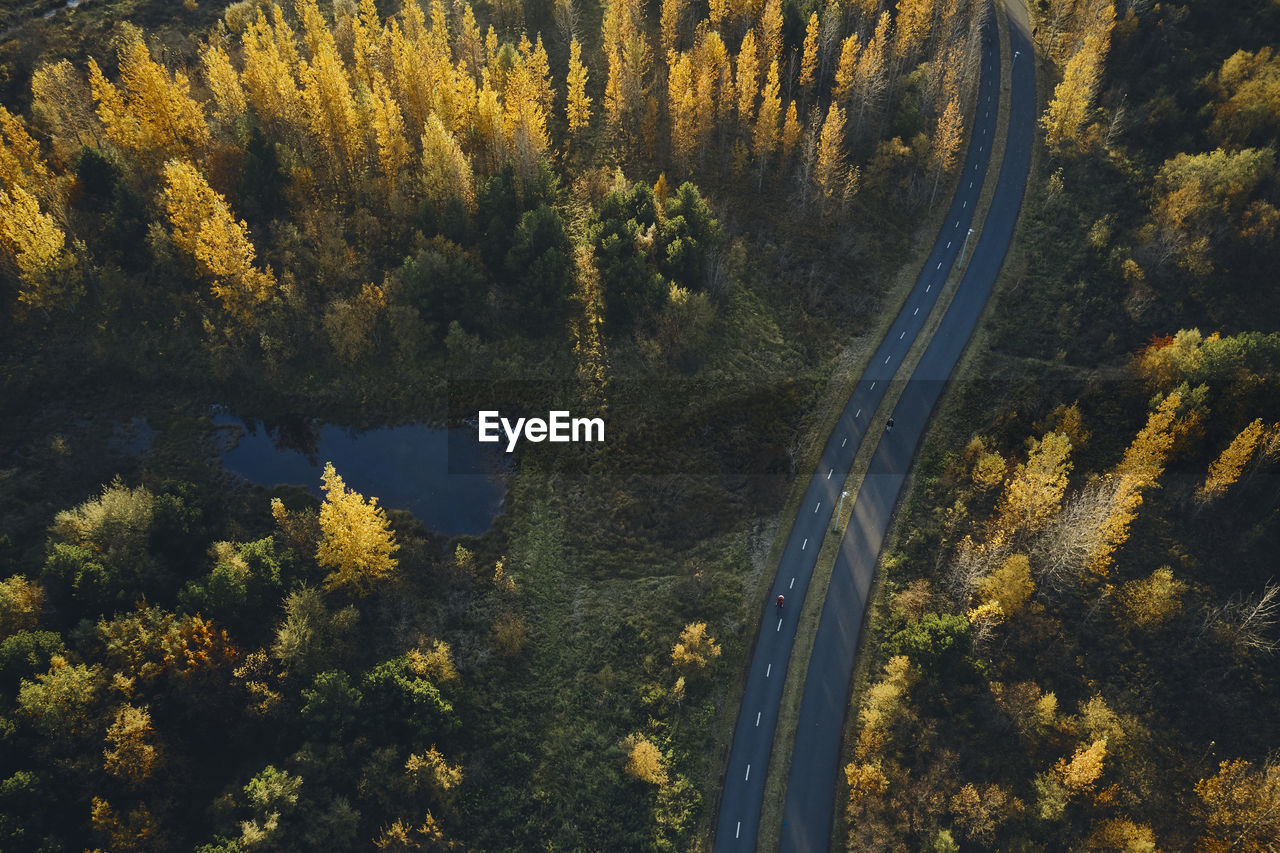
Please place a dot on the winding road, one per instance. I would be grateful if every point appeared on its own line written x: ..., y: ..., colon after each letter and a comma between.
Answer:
x: 811, y: 788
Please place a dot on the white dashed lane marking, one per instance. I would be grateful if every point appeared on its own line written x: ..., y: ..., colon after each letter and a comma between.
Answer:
x: 901, y: 336
x: 818, y: 507
x: 915, y: 312
x: 758, y: 718
x: 804, y: 544
x: 886, y: 358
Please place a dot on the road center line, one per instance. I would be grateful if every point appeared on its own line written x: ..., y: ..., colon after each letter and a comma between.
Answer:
x: 939, y: 264
x: 873, y: 386
x: 779, y: 628
x: 843, y: 443
x: 915, y: 312
x: 927, y: 289
x: 829, y: 473
x: 949, y: 242
x: 747, y: 778
x: 766, y: 673
x: 858, y: 414
x: 757, y: 718
x: 739, y: 830
x: 816, y: 508
x: 804, y: 544
x: 964, y: 205
x: 793, y: 583
x: 904, y: 334
x: 886, y: 358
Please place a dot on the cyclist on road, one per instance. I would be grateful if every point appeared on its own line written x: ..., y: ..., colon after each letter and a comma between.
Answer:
x: 779, y: 602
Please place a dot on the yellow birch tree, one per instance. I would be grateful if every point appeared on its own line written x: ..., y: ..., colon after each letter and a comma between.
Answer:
x: 356, y: 541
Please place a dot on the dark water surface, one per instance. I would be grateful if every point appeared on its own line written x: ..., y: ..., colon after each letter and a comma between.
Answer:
x: 441, y: 476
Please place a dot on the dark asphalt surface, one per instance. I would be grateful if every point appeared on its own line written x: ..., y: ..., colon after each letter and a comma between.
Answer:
x: 811, y: 788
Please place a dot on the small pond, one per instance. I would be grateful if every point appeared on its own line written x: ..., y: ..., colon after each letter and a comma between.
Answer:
x: 441, y: 476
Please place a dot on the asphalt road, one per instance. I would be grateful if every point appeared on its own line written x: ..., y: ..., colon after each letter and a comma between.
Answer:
x: 811, y: 787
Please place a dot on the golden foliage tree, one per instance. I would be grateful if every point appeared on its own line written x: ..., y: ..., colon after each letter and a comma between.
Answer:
x: 356, y: 539
x: 946, y: 142
x: 577, y: 103
x: 446, y: 169
x: 809, y: 55
x: 389, y: 134
x: 845, y: 70
x: 988, y: 469
x: 884, y: 699
x: 433, y: 771
x: 747, y: 79
x: 20, y: 161
x: 204, y: 228
x: 1226, y: 469
x: 871, y: 74
x: 270, y: 76
x: 670, y: 15
x: 152, y: 111
x: 1073, y: 97
x: 224, y: 83
x: 63, y: 105
x: 682, y: 108
x: 1084, y: 768
x: 1240, y: 808
x: 1122, y: 835
x: 791, y: 133
x: 626, y: 50
x: 771, y: 31
x: 1139, y: 469
x: 644, y: 760
x: 37, y: 246
x: 1010, y: 585
x: 912, y: 27
x: 330, y: 106
x: 1149, y: 601
x: 1033, y: 495
x: 21, y: 602
x: 831, y: 173
x: 695, y: 650
x: 766, y: 132
x: 131, y: 754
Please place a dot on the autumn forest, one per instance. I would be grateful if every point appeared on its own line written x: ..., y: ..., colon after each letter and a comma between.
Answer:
x: 694, y: 217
